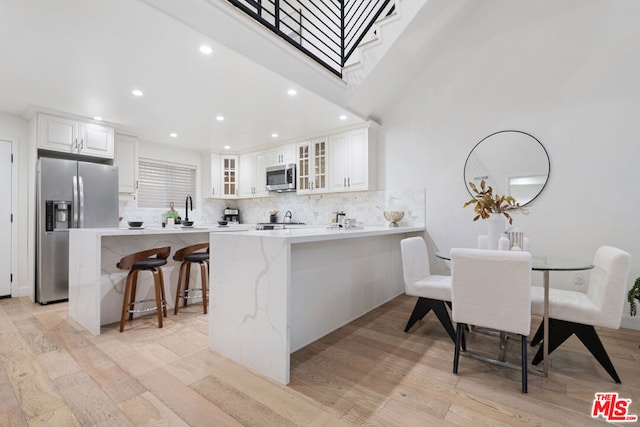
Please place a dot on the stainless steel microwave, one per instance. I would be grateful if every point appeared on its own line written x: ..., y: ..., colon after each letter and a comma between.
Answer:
x: 281, y: 178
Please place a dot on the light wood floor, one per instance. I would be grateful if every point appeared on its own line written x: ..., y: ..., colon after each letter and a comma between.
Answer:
x: 366, y: 373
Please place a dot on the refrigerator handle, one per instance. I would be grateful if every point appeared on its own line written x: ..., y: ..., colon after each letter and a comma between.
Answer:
x: 81, y: 198
x: 74, y: 201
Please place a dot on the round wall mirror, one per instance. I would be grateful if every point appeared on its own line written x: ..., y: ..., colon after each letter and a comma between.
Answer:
x: 512, y: 162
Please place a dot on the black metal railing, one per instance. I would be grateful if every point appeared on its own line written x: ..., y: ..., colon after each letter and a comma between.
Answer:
x: 328, y: 31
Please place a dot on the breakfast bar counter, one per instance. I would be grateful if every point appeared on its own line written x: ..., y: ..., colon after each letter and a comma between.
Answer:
x: 96, y: 285
x: 273, y: 292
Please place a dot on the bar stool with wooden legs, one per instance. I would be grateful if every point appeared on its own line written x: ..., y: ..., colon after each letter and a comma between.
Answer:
x: 149, y: 260
x: 188, y: 256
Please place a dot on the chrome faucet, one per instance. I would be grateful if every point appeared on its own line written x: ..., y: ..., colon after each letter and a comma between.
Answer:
x: 188, y: 204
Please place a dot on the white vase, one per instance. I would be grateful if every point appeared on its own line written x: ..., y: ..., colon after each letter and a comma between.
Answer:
x: 497, y: 224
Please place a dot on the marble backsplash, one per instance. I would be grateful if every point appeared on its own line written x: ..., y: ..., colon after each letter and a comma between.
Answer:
x: 365, y: 207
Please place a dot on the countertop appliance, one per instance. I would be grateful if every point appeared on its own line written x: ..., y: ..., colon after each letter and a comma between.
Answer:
x: 231, y: 215
x: 281, y: 178
x: 70, y: 194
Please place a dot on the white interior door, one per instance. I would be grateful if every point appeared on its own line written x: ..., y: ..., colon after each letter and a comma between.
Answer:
x: 5, y: 218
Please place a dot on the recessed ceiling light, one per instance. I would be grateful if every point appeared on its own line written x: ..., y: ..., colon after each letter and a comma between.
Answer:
x: 220, y: 118
x: 206, y: 50
x: 274, y: 135
x: 173, y: 135
x: 227, y: 147
x: 343, y: 117
x: 137, y: 92
x: 292, y: 92
x: 98, y: 118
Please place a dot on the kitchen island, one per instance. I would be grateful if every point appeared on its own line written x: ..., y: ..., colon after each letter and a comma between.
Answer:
x: 96, y: 285
x: 273, y: 292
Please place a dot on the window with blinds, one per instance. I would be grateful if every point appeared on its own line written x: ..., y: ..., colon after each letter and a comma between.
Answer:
x: 160, y: 183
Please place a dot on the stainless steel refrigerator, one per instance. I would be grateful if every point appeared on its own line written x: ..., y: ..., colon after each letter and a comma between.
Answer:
x: 71, y: 194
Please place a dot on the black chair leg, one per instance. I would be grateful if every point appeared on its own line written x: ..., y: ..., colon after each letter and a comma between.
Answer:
x: 524, y: 365
x: 443, y: 315
x: 456, y: 351
x: 560, y: 330
x: 538, y: 335
x: 589, y: 337
x: 423, y: 306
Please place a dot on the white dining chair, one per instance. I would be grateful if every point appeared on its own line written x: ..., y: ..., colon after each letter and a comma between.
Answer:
x: 433, y: 290
x: 574, y: 312
x: 491, y: 289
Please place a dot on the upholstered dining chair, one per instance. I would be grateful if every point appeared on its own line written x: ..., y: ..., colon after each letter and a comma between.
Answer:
x: 573, y: 312
x: 433, y: 291
x: 491, y: 289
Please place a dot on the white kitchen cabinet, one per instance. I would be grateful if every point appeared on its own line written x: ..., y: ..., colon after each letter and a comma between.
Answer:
x: 75, y: 137
x: 210, y: 175
x: 312, y: 166
x: 220, y: 176
x: 252, y: 175
x: 228, y: 176
x: 282, y: 155
x: 126, y: 158
x: 351, y: 161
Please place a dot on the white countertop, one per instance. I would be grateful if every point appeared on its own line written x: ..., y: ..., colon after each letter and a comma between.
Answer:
x: 312, y: 233
x: 296, y: 234
x: 125, y: 231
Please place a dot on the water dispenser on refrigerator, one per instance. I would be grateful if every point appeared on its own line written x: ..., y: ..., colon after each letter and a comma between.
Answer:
x: 58, y: 215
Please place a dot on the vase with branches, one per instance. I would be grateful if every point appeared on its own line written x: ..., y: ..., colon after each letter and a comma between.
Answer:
x: 485, y: 203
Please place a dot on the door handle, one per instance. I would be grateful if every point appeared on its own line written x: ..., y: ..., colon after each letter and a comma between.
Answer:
x: 74, y: 201
x: 81, y: 201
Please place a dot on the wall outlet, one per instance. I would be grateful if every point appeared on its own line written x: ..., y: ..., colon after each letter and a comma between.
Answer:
x: 578, y: 278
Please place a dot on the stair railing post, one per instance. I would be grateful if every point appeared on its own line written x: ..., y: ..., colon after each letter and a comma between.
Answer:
x: 276, y: 14
x: 342, y: 44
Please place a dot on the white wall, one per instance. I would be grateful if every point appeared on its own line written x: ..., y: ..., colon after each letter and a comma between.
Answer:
x: 567, y: 75
x: 171, y: 154
x: 17, y: 129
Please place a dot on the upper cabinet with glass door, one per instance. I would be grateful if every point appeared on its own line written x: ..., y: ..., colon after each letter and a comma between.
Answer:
x: 312, y: 166
x: 229, y: 168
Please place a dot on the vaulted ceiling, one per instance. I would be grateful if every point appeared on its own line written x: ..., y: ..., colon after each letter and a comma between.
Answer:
x: 84, y: 57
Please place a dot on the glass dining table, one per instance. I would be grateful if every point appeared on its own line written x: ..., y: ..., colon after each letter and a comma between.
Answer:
x: 546, y: 264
